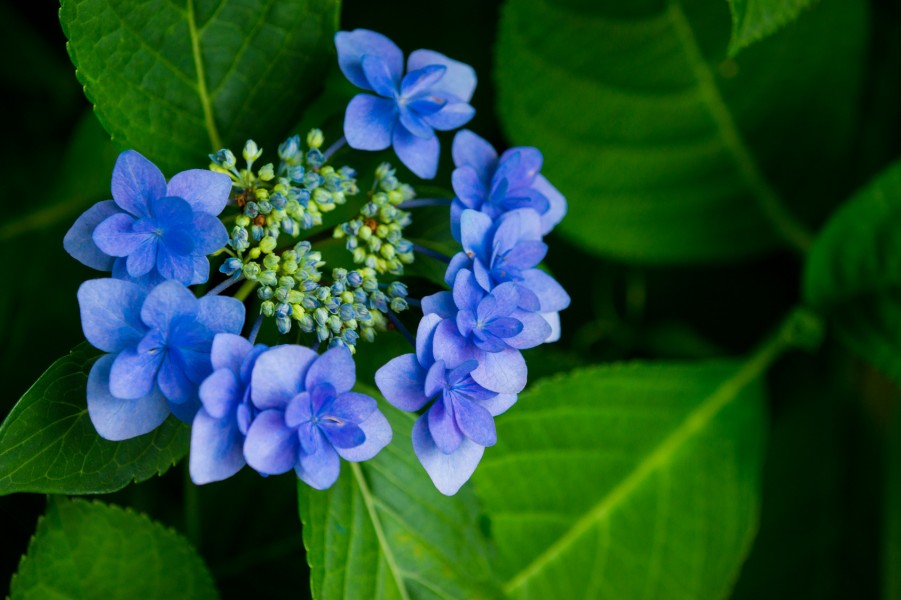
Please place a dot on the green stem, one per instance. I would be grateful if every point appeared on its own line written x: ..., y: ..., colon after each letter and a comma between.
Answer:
x: 245, y: 290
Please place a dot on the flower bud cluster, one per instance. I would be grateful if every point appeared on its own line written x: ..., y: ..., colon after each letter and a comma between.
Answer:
x: 375, y: 237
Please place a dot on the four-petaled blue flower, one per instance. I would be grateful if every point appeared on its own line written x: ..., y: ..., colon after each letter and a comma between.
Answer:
x: 221, y: 424
x: 434, y: 94
x: 309, y: 417
x: 450, y: 437
x: 509, y: 250
x: 159, y: 351
x: 493, y: 185
x: 152, y: 231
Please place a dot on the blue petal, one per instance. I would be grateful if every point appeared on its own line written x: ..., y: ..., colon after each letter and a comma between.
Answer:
x: 369, y: 122
x: 443, y: 427
x: 553, y: 319
x: 136, y: 182
x: 220, y: 393
x: 299, y: 410
x: 401, y: 381
x: 498, y: 404
x: 447, y: 471
x: 229, y: 351
x: 79, y: 240
x: 221, y: 314
x: 217, y: 448
x: 336, y: 366
x: 205, y: 191
x: 271, y: 447
x: 210, y: 234
x: 143, y: 259
x: 551, y: 295
x: 459, y: 80
x: 458, y: 262
x: 116, y: 419
x: 353, y: 45
x: 346, y: 435
x: 414, y: 123
x: 378, y: 435
x: 475, y: 228
x: 440, y: 304
x: 470, y: 150
x: 201, y: 269
x: 469, y: 187
x: 110, y: 313
x: 475, y: 422
x: 520, y: 166
x: 515, y: 227
x: 418, y: 154
x: 133, y: 374
x: 503, y: 372
x: 467, y: 292
x: 173, y: 266
x: 115, y: 235
x: 425, y: 335
x: 435, y: 379
x: 185, y: 411
x: 419, y: 81
x: 278, y: 375
x: 321, y: 469
x: 505, y: 299
x: 174, y: 381
x: 381, y: 80
x: 505, y: 327
x: 557, y: 203
x: 451, y: 347
x: 165, y: 302
x: 453, y: 115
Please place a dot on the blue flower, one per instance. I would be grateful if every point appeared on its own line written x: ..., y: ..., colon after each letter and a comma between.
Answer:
x: 493, y: 185
x: 309, y: 417
x: 159, y: 351
x: 221, y: 424
x: 509, y: 250
x: 151, y: 230
x: 488, y: 327
x: 434, y: 94
x: 450, y: 437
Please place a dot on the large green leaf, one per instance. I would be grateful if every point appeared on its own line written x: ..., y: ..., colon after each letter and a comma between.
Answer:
x: 668, y: 153
x: 93, y: 550
x: 853, y: 273
x: 753, y: 20
x: 48, y: 444
x: 628, y: 481
x: 384, y: 531
x: 176, y: 79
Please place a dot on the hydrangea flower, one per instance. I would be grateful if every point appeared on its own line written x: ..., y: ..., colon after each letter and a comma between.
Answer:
x: 433, y: 95
x: 152, y: 230
x: 309, y: 417
x: 509, y: 250
x: 221, y: 424
x: 450, y: 437
x: 493, y: 185
x: 487, y: 327
x: 159, y: 351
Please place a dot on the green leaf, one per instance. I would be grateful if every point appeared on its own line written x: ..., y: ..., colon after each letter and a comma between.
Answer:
x: 667, y: 152
x: 49, y: 445
x: 628, y: 481
x: 94, y: 550
x: 177, y: 79
x: 753, y: 20
x: 853, y: 273
x: 384, y: 531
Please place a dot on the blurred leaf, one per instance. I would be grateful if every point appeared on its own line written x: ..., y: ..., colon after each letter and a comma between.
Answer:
x: 384, y: 531
x: 628, y: 481
x: 753, y: 20
x: 93, y: 550
x: 798, y: 550
x: 853, y: 273
x: 667, y: 153
x: 175, y: 80
x: 49, y: 445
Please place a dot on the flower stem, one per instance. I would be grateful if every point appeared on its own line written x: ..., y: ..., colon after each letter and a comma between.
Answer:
x: 252, y: 337
x: 417, y: 202
x: 401, y: 328
x: 245, y: 290
x: 432, y: 253
x: 225, y: 284
x: 340, y: 143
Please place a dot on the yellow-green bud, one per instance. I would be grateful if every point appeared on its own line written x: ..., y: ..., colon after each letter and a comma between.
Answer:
x: 315, y: 138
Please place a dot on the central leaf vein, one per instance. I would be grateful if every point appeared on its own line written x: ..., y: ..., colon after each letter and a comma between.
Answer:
x: 205, y: 101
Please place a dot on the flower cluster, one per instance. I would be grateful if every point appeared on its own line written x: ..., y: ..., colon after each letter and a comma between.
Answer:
x: 468, y: 344
x: 278, y: 406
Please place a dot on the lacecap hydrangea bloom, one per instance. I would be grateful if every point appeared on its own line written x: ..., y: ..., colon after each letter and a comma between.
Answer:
x: 173, y: 345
